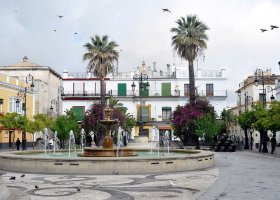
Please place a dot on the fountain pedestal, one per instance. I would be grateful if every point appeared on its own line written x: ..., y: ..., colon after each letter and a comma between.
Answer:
x: 107, y: 150
x: 108, y: 142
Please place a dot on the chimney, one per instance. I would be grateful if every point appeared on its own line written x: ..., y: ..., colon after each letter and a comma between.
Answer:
x: 154, y: 70
x: 25, y: 59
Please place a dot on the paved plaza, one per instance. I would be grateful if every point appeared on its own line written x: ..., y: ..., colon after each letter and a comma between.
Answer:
x: 239, y: 175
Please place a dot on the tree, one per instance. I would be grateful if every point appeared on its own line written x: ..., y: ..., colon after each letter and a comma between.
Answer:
x: 96, y: 113
x: 101, y: 54
x: 64, y: 124
x: 261, y: 114
x: 227, y: 119
x: 272, y: 121
x: 39, y: 122
x: 207, y: 126
x: 184, y: 117
x: 245, y: 121
x: 188, y: 42
x: 14, y: 121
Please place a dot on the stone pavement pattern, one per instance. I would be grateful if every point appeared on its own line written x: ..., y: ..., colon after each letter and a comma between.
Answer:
x: 240, y: 175
x: 184, y: 185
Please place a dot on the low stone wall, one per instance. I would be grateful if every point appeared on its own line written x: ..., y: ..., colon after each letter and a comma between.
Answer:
x: 91, y: 165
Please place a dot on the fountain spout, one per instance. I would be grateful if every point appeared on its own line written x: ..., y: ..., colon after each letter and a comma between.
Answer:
x: 108, y: 122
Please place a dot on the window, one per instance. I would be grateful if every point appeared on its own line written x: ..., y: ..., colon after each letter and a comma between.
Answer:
x: 186, y: 90
x: 121, y: 89
x: 166, y: 89
x: 144, y: 133
x: 145, y: 113
x: 262, y: 97
x: 209, y: 90
x: 13, y: 106
x: 79, y: 111
x: 166, y: 113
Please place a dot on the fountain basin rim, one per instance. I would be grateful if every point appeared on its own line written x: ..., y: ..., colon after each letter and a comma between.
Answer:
x: 21, y: 162
x: 26, y: 156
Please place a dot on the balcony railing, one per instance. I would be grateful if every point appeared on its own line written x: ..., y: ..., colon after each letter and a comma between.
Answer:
x: 151, y: 93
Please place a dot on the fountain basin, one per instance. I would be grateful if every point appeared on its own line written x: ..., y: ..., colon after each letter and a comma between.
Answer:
x: 186, y: 160
x: 107, y: 152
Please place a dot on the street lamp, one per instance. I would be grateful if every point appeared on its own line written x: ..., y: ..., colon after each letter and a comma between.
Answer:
x: 142, y: 86
x: 263, y: 134
x: 267, y: 89
x: 60, y: 93
x: 55, y: 103
x: 29, y: 78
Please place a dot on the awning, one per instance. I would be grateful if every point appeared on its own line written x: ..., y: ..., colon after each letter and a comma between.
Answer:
x: 164, y: 127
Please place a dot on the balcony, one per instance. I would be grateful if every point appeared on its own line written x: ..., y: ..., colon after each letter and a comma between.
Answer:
x: 152, y: 94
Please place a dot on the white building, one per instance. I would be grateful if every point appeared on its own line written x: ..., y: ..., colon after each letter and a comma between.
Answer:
x: 167, y: 90
x: 46, y: 81
x: 248, y: 93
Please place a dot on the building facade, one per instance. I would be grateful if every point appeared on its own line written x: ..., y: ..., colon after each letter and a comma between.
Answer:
x: 9, y: 90
x: 249, y: 93
x: 47, y: 83
x: 167, y: 89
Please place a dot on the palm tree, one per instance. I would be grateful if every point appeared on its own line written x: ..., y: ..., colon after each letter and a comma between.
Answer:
x: 101, y: 54
x: 188, y: 42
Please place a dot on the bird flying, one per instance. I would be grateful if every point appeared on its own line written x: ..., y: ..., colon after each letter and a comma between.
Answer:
x: 166, y: 10
x: 263, y: 30
x: 54, y: 30
x: 75, y: 33
x: 273, y: 27
x: 60, y: 16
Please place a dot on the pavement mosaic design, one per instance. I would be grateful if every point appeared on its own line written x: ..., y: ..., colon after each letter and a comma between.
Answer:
x: 182, y: 185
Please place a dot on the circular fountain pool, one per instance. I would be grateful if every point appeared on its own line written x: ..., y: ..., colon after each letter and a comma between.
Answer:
x: 145, y: 162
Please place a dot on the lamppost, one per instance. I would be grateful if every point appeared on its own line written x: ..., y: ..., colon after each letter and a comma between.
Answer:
x: 267, y: 89
x: 263, y: 134
x: 247, y: 99
x: 60, y: 93
x: 29, y: 78
x: 55, y: 103
x: 142, y: 86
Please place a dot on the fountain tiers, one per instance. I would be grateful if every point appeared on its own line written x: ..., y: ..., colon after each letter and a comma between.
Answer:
x: 107, y: 152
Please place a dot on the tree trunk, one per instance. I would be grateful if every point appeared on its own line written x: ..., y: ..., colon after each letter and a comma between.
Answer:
x: 246, y: 139
x: 264, y: 142
x: 102, y: 91
x: 192, y: 82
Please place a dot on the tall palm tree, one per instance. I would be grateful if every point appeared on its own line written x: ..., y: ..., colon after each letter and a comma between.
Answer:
x: 188, y: 42
x: 101, y: 54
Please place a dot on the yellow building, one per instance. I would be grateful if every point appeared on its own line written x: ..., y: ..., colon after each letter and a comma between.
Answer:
x: 12, y: 90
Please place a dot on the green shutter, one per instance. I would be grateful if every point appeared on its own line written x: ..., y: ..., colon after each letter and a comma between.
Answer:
x: 166, y: 89
x: 121, y: 89
x: 145, y: 114
x: 145, y: 91
x: 79, y: 112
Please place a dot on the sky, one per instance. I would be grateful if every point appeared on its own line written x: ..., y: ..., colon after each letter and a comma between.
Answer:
x: 142, y: 31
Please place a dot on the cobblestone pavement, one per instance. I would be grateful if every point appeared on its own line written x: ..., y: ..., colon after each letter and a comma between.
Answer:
x: 245, y: 175
x: 183, y: 185
x: 236, y: 176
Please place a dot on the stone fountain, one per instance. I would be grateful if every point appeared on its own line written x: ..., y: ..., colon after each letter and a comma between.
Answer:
x: 108, y: 150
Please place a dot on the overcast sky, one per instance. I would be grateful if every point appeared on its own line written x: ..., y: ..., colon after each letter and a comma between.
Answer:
x: 142, y: 31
